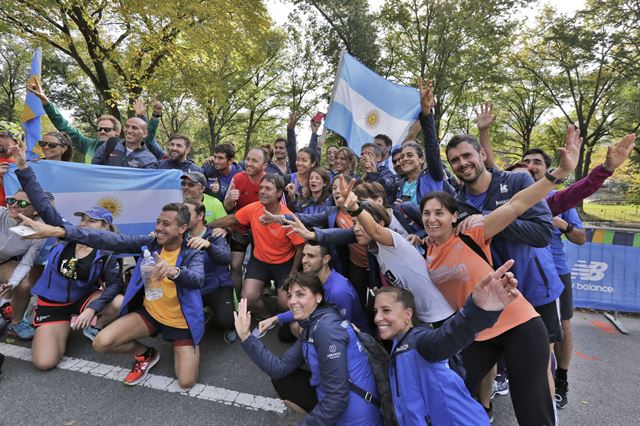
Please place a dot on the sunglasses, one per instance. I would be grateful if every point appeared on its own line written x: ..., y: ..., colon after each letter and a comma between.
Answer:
x: 190, y: 184
x: 51, y: 145
x: 20, y: 203
x: 105, y: 129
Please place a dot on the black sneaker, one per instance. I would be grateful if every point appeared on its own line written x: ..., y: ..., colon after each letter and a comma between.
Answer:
x: 562, y: 388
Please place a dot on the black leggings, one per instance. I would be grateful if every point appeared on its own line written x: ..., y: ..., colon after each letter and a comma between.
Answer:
x: 297, y: 389
x: 525, y: 350
x: 359, y: 277
x: 221, y: 302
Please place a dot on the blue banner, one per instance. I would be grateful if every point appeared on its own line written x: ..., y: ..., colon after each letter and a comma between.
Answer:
x: 605, y: 276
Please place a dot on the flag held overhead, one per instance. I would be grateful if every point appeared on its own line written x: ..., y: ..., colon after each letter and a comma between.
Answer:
x: 33, y: 108
x: 364, y: 104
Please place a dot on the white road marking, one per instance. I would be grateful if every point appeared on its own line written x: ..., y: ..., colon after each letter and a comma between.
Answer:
x: 154, y: 381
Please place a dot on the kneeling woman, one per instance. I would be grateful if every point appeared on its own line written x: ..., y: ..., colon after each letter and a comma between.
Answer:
x: 329, y: 346
x: 425, y: 389
x: 71, y: 285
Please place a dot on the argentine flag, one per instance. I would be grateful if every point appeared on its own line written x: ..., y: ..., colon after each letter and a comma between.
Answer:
x: 134, y: 196
x: 364, y: 104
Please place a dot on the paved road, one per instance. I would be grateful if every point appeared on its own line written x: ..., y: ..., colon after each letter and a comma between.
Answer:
x: 82, y: 391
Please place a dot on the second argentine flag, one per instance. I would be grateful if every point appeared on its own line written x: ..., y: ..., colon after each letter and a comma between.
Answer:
x: 365, y: 104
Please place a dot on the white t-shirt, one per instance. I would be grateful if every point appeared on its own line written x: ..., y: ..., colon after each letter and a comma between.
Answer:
x: 403, y: 267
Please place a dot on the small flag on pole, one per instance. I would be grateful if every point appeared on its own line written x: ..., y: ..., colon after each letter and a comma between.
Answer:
x: 364, y: 104
x: 33, y: 108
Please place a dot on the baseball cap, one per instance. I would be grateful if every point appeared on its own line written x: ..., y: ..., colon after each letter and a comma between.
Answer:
x: 97, y: 213
x: 196, y: 177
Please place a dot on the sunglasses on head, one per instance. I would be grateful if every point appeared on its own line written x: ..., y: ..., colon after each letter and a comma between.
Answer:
x: 105, y: 129
x: 52, y: 145
x: 20, y: 203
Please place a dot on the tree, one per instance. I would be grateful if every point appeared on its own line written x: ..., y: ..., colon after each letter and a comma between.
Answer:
x: 574, y: 61
x: 15, y: 59
x: 120, y: 45
x: 344, y: 25
x: 434, y: 40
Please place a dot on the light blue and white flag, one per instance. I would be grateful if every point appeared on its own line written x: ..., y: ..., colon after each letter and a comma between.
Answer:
x: 364, y: 104
x: 134, y: 196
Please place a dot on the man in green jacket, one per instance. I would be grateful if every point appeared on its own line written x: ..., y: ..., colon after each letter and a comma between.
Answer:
x: 108, y: 125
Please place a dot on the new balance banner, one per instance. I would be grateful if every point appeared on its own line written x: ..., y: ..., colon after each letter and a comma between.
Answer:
x: 605, y: 271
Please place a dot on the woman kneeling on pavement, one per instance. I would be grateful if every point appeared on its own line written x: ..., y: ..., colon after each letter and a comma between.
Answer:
x: 329, y: 346
x: 70, y: 292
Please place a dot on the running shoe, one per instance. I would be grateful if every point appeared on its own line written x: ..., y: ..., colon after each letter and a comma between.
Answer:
x: 141, y: 367
x: 91, y: 332
x: 562, y: 388
x: 230, y: 336
x: 500, y: 386
x: 23, y: 330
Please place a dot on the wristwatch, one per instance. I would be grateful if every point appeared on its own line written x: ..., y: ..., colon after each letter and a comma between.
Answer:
x: 570, y: 228
x: 356, y: 212
x: 551, y: 178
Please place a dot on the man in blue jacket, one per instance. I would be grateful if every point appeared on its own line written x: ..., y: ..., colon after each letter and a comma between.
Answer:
x: 127, y: 152
x: 177, y: 315
x: 179, y: 149
x: 483, y: 191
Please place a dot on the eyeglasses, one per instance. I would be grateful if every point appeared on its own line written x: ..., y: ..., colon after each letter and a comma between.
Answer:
x: 51, y: 145
x: 20, y: 203
x: 105, y: 129
x: 190, y: 184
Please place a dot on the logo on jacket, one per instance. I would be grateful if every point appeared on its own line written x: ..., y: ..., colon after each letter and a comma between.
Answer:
x: 332, y: 348
x: 402, y: 348
x: 592, y: 271
x: 504, y: 188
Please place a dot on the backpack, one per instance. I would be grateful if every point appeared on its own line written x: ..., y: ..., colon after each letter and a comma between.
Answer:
x: 379, y: 360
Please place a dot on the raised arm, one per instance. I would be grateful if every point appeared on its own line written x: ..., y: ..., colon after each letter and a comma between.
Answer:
x: 379, y: 233
x: 431, y: 143
x: 500, y: 218
x: 572, y: 195
x: 31, y: 186
x: 484, y: 119
x: 292, y: 145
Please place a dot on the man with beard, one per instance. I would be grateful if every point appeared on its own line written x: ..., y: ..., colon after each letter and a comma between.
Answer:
x: 179, y: 149
x: 219, y: 169
x: 275, y: 253
x: 193, y: 186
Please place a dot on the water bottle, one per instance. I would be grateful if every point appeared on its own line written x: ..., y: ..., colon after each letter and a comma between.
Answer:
x: 152, y: 290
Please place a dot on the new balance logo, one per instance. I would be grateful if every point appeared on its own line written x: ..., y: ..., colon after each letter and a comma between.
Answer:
x: 592, y: 271
x: 503, y: 188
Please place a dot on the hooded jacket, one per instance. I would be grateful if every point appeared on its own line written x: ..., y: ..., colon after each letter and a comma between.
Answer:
x: 426, y: 391
x: 334, y: 356
x: 188, y: 283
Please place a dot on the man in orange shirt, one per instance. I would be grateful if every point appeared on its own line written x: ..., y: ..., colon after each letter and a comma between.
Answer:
x: 275, y: 253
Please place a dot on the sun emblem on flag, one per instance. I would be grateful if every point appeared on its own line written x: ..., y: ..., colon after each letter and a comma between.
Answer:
x: 112, y: 204
x: 373, y: 117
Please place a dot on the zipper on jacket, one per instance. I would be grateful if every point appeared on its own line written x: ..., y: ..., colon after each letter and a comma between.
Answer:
x: 393, y: 357
x: 542, y: 274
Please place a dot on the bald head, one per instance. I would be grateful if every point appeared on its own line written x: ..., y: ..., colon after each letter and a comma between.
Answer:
x: 134, y: 131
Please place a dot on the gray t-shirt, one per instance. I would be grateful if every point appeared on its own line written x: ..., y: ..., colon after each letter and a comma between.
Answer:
x: 12, y: 245
x: 403, y: 267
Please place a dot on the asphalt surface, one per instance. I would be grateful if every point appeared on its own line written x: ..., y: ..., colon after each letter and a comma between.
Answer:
x: 603, y: 385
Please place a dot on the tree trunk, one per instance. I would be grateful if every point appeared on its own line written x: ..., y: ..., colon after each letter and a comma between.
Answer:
x: 211, y: 121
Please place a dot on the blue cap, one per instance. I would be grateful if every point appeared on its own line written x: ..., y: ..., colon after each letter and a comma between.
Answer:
x: 97, y: 213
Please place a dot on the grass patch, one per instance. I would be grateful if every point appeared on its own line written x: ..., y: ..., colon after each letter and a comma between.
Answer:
x: 613, y: 213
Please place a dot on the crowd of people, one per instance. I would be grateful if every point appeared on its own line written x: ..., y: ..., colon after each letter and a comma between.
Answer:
x: 457, y: 270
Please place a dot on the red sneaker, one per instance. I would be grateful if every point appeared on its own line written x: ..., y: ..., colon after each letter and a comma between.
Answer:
x: 141, y: 367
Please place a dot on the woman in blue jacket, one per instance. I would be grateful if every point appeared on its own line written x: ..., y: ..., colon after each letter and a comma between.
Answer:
x: 425, y: 390
x: 340, y: 370
x: 80, y: 286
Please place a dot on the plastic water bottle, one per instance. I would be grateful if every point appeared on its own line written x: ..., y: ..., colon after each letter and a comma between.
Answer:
x: 152, y: 291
